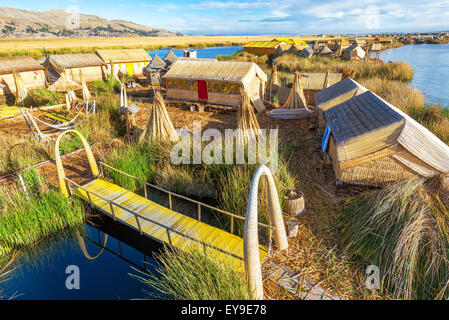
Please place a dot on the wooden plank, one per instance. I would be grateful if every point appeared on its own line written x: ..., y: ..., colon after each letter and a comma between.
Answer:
x: 200, y: 231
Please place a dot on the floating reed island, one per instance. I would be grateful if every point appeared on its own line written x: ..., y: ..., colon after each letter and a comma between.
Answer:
x: 347, y: 123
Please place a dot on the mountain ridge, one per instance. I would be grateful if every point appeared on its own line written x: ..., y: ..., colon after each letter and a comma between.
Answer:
x: 20, y: 23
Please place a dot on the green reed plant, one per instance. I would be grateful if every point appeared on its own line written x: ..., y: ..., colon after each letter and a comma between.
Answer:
x: 195, y: 275
x: 25, y: 220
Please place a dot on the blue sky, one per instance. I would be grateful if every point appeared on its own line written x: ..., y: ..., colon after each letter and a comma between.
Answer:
x: 222, y: 17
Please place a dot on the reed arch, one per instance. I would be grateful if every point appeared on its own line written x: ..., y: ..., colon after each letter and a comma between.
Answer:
x: 60, y: 167
x: 83, y: 247
x: 250, y: 233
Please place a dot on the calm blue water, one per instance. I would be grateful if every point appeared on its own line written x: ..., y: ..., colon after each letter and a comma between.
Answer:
x: 41, y: 274
x: 431, y: 65
x: 209, y: 53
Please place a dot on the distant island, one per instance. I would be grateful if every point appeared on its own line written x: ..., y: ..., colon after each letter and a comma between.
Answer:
x: 18, y: 23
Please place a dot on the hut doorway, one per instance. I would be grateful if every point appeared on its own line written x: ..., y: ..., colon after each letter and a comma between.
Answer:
x: 202, y: 90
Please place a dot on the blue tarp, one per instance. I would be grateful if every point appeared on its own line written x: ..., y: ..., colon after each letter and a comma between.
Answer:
x: 326, y: 136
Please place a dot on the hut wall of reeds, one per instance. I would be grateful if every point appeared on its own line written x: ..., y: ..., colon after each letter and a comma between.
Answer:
x: 92, y: 67
x: 127, y: 61
x: 373, y: 143
x: 334, y: 95
x: 215, y: 82
x: 30, y: 71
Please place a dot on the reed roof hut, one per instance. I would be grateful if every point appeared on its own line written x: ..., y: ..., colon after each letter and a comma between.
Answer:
x: 128, y: 61
x: 65, y: 84
x: 373, y: 143
x: 170, y: 58
x: 325, y: 51
x: 216, y: 82
x: 354, y: 52
x: 90, y: 64
x: 306, y: 52
x: 265, y: 47
x: 335, y: 94
x: 30, y: 71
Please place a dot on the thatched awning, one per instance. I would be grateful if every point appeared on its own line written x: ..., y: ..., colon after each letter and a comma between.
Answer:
x: 240, y: 72
x: 8, y: 65
x: 124, y: 55
x: 67, y: 61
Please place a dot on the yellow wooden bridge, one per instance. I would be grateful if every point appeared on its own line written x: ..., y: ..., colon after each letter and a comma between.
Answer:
x: 151, y: 219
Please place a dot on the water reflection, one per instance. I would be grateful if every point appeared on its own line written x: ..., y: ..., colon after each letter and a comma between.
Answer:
x: 104, y: 261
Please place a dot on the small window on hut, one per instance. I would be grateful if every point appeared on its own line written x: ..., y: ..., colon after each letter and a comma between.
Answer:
x: 181, y: 84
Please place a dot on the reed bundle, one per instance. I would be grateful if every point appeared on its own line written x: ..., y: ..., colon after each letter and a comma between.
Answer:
x: 296, y: 98
x: 247, y: 120
x: 159, y: 126
x: 404, y: 230
x: 21, y: 91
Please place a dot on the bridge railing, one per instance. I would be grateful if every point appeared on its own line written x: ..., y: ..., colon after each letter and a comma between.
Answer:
x: 173, y: 194
x: 139, y: 217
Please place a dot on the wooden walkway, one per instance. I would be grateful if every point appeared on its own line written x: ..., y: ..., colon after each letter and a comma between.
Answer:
x: 158, y: 222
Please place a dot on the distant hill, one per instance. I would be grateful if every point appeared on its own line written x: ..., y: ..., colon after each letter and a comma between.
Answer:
x: 17, y: 23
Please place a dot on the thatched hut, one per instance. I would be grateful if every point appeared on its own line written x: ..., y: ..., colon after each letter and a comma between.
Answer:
x: 325, y: 51
x: 170, y: 58
x: 92, y: 67
x: 29, y: 70
x: 373, y: 143
x: 354, y: 52
x: 217, y: 82
x: 306, y: 52
x: 127, y: 61
x: 334, y: 95
x: 154, y: 69
x: 265, y: 47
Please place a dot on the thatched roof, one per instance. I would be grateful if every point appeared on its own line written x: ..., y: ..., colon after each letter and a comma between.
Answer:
x: 367, y: 113
x: 124, y: 55
x: 337, y: 89
x: 78, y: 60
x: 18, y: 64
x: 170, y: 58
x: 315, y: 81
x: 155, y: 64
x: 240, y: 72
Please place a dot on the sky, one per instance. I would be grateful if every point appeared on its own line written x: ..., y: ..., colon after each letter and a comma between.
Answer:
x: 248, y: 17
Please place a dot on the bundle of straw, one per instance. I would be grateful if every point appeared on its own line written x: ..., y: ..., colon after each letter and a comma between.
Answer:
x: 274, y: 81
x: 21, y: 91
x: 159, y: 126
x: 86, y: 93
x: 296, y: 98
x: 247, y: 120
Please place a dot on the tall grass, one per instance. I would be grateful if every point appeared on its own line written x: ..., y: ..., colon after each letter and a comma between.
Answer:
x: 404, y: 230
x: 399, y: 71
x: 196, y: 275
x: 25, y: 220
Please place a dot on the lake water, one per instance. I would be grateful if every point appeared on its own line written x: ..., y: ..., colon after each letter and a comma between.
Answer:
x: 431, y: 65
x: 41, y: 272
x: 209, y: 53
